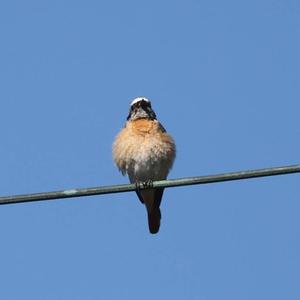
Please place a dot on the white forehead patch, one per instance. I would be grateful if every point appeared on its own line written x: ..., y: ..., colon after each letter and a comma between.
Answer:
x: 138, y: 99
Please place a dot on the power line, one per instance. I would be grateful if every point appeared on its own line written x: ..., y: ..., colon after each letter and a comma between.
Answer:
x: 80, y: 192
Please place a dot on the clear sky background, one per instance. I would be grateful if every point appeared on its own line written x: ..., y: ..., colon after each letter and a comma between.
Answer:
x: 223, y: 77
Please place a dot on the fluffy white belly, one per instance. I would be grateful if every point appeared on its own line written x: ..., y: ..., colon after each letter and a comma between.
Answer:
x: 147, y: 166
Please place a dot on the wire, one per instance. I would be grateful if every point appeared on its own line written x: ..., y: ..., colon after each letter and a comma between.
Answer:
x: 80, y: 192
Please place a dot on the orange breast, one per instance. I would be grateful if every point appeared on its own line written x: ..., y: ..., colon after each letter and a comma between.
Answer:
x: 144, y: 127
x: 143, y: 140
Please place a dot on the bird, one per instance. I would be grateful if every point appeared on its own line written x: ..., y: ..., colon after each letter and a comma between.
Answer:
x: 145, y: 152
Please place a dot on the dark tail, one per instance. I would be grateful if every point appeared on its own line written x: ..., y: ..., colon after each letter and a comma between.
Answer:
x: 154, y: 220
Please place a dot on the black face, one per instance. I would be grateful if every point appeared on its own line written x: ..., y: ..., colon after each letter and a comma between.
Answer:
x: 141, y: 110
x: 143, y: 104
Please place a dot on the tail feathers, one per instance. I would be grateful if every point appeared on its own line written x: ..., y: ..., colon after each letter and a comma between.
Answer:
x: 154, y: 220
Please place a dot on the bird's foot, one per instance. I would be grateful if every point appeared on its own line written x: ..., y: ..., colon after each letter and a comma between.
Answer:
x: 148, y: 184
x: 141, y: 185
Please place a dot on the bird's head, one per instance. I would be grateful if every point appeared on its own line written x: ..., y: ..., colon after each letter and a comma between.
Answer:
x: 140, y: 108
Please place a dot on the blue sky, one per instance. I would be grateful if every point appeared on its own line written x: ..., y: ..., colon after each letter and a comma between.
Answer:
x: 223, y: 77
